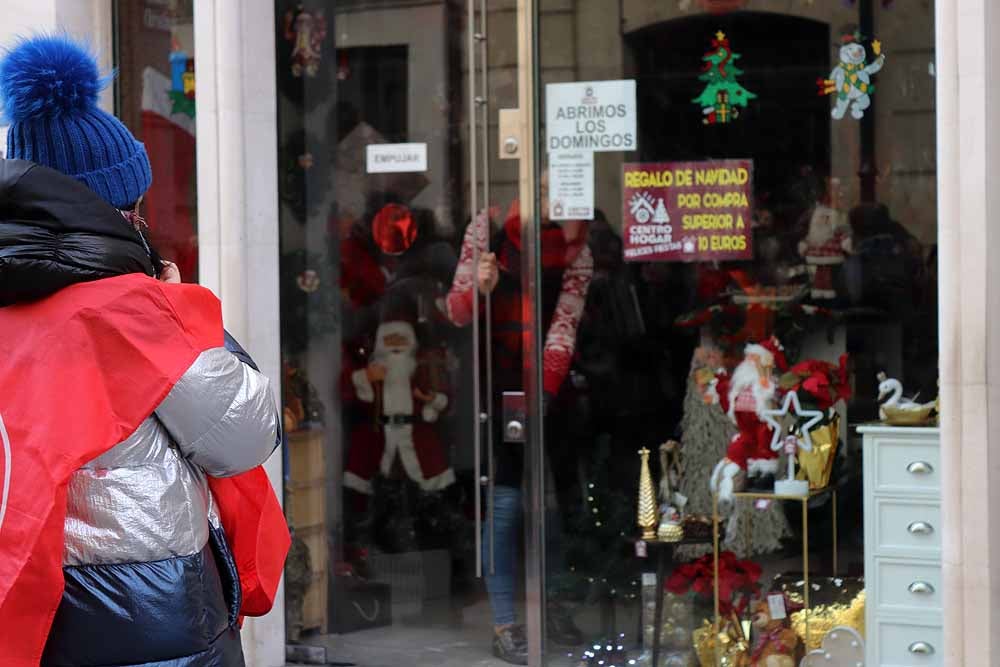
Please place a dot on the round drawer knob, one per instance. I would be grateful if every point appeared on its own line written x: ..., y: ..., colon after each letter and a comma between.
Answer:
x: 921, y: 588
x: 920, y: 468
x: 920, y: 528
x: 921, y: 648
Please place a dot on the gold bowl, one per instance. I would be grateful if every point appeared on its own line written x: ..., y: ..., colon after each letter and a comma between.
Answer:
x: 898, y: 417
x: 670, y: 532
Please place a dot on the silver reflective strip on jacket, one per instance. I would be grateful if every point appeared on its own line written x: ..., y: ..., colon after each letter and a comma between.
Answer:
x: 147, y: 498
x: 139, y: 502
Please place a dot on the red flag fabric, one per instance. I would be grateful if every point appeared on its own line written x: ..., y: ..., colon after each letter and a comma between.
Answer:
x: 258, y: 536
x: 79, y: 372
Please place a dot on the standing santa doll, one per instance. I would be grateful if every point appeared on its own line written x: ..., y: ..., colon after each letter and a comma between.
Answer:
x: 397, y: 464
x: 744, y: 396
x: 824, y: 248
x: 400, y: 439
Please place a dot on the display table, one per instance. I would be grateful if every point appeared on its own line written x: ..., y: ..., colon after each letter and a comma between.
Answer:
x: 773, y: 497
x: 664, y: 554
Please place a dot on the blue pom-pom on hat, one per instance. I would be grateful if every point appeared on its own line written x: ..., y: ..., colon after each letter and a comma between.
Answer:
x: 49, y: 87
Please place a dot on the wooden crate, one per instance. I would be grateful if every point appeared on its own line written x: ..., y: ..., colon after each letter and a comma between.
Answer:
x: 314, y: 608
x: 305, y: 504
x: 306, y: 458
x: 305, y: 507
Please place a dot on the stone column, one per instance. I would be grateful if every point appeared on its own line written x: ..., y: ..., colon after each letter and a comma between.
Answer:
x: 238, y: 209
x: 969, y: 294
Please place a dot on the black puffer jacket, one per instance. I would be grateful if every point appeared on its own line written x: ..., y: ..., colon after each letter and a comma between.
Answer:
x: 55, y: 231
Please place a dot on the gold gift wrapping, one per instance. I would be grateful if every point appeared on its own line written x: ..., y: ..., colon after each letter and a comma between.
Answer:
x: 733, y: 651
x: 817, y: 465
x: 823, y: 618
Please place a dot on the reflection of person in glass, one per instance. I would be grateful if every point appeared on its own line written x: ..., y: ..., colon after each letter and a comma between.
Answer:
x: 567, y: 267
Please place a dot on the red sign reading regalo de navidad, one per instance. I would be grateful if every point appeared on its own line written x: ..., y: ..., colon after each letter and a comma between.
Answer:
x: 688, y: 211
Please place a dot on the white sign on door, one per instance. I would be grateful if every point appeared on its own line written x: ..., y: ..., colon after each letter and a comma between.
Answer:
x: 571, y: 186
x: 591, y: 116
x: 396, y: 158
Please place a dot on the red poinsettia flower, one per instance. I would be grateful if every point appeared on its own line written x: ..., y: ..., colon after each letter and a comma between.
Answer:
x: 737, y: 580
x: 819, y: 382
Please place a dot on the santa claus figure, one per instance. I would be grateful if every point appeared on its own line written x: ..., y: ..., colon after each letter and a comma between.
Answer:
x: 400, y: 440
x: 744, y: 396
x: 825, y: 246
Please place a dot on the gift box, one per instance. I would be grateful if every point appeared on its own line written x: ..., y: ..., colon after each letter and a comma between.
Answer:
x: 356, y: 604
x: 729, y: 645
x: 834, y: 601
x: 817, y: 465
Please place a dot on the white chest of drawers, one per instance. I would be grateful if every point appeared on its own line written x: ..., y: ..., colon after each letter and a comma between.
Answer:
x: 902, y: 487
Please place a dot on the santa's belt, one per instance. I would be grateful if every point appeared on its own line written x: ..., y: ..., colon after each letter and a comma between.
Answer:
x: 397, y: 420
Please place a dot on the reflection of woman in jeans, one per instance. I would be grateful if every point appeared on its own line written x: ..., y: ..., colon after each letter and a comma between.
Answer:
x: 567, y: 266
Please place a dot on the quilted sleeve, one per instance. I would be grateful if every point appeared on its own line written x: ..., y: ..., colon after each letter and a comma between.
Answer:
x: 222, y: 415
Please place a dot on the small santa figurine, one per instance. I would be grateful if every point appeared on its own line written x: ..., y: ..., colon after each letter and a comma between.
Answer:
x: 401, y: 438
x: 744, y: 396
x: 825, y: 246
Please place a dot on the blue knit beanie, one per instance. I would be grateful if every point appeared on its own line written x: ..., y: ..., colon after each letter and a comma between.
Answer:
x: 49, y: 87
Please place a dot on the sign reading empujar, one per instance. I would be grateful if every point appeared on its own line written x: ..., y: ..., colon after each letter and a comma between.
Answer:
x: 688, y: 211
x: 591, y: 116
x: 396, y: 158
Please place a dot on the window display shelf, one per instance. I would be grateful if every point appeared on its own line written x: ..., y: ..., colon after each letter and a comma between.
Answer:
x: 773, y: 497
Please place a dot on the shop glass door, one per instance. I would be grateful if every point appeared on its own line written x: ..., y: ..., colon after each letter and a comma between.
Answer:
x: 397, y: 364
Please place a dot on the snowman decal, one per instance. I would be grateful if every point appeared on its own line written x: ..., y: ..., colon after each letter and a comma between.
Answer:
x: 850, y: 80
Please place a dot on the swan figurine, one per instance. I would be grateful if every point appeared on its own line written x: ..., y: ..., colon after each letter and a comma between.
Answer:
x: 897, y: 410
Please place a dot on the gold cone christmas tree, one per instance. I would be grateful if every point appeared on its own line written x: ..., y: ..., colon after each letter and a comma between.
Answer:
x: 647, y: 498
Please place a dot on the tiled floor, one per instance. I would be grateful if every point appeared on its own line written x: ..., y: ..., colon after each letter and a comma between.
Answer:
x: 433, y: 641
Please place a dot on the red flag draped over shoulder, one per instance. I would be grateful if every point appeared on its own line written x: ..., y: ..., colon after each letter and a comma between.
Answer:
x: 79, y: 372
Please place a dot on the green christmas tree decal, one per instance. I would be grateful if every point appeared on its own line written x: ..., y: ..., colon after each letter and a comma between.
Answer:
x: 723, y: 96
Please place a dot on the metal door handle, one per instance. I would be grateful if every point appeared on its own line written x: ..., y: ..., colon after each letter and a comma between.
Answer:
x: 921, y: 588
x: 920, y: 528
x: 921, y: 648
x: 920, y: 468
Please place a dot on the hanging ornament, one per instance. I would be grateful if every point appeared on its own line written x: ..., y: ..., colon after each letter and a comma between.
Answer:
x: 343, y: 66
x: 850, y: 82
x: 306, y: 30
x: 723, y: 95
x: 181, y: 80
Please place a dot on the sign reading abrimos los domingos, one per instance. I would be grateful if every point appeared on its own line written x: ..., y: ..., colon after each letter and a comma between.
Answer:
x: 590, y: 116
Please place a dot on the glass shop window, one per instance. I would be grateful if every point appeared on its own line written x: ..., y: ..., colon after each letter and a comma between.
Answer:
x: 155, y: 98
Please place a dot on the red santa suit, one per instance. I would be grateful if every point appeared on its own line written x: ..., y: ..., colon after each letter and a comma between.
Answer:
x: 402, y: 427
x: 826, y: 246
x: 744, y: 397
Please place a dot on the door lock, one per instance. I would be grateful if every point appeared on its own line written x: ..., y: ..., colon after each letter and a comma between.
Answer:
x: 515, y: 416
x: 510, y: 134
x: 514, y: 431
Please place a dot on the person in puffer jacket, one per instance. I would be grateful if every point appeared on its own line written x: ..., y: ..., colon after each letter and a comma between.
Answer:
x: 149, y: 578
